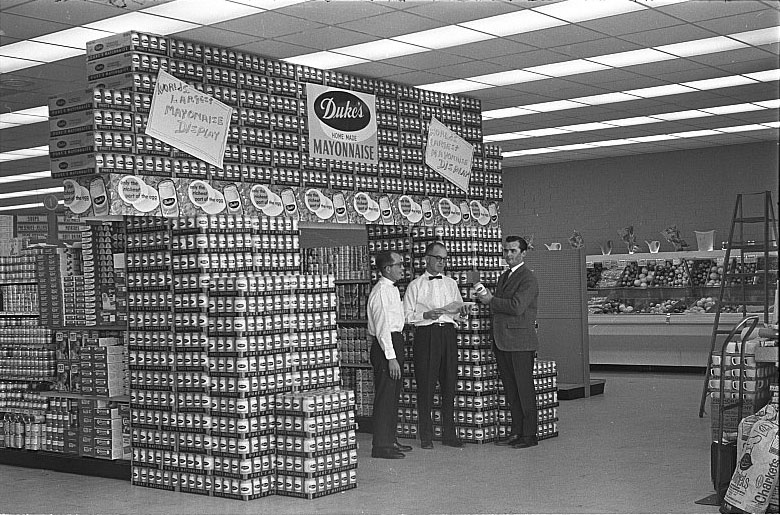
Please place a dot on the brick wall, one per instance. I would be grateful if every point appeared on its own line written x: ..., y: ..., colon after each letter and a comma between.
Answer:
x: 695, y: 189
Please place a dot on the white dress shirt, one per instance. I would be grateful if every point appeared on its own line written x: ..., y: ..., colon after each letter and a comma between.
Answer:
x: 385, y: 314
x: 424, y: 294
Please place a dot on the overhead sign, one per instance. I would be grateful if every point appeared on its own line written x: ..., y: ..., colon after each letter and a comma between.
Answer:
x: 342, y: 124
x: 449, y: 155
x: 188, y: 119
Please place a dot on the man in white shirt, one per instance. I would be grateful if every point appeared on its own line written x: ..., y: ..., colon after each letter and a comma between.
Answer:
x: 435, y: 343
x: 385, y: 326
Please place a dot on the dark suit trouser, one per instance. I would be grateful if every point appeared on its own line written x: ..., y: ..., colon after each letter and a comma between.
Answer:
x: 435, y: 359
x: 516, y: 369
x: 386, y: 393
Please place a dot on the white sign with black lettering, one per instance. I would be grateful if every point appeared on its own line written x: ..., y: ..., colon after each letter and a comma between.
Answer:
x: 449, y: 155
x: 189, y: 120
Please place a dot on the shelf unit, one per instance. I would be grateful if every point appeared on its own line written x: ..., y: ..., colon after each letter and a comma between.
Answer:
x: 673, y: 339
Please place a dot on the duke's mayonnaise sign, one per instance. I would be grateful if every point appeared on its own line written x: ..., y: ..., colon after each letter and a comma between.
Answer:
x: 342, y: 124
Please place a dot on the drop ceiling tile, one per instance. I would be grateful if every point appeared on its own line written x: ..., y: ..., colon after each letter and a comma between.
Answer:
x: 701, y: 11
x: 604, y: 77
x: 698, y: 100
x: 765, y: 63
x: 527, y: 59
x: 327, y: 38
x: 24, y: 136
x: 337, y: 14
x: 570, y: 34
x: 631, y: 81
x: 750, y: 92
x: 394, y: 73
x: 458, y: 66
x: 764, y: 116
x: 35, y: 164
x: 393, y: 23
x: 273, y: 49
x: 490, y: 49
x: 731, y: 57
x: 213, y: 35
x: 631, y: 22
x: 743, y: 22
x: 70, y: 13
x: 459, y: 12
x: 693, y: 72
x: 663, y: 67
x: 667, y: 35
x: 596, y: 47
x: 24, y: 27
x: 272, y: 24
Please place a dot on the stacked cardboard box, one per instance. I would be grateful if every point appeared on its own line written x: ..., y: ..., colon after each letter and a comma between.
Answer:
x: 104, y: 370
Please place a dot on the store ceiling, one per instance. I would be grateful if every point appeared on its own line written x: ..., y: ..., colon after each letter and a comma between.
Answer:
x: 558, y: 81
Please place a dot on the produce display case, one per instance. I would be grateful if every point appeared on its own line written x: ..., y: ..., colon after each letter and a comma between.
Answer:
x: 658, y: 309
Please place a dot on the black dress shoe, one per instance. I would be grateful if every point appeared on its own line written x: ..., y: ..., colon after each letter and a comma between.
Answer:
x: 426, y: 444
x: 453, y: 442
x: 508, y: 440
x: 398, y: 446
x: 388, y: 454
x: 523, y: 443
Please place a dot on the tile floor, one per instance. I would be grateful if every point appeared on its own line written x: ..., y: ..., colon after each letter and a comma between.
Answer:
x: 638, y: 448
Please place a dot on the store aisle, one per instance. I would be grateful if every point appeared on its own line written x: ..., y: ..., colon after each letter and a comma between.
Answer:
x: 639, y: 448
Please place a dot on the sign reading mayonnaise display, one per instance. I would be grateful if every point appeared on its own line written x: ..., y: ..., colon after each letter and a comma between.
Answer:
x: 449, y: 155
x: 189, y: 120
x: 342, y: 124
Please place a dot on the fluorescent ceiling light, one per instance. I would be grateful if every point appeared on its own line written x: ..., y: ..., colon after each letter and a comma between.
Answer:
x: 659, y: 91
x: 632, y: 57
x: 719, y: 82
x: 566, y: 68
x: 654, y: 137
x: 504, y: 137
x: 758, y: 37
x: 659, y: 3
x: 506, y: 112
x: 455, y: 86
x: 443, y: 37
x: 29, y: 193
x: 575, y: 146
x: 556, y: 105
x: 76, y: 37
x: 15, y: 207
x: 325, y: 60
x: 606, y: 98
x: 680, y: 115
x: 25, y: 54
x: 744, y: 128
x: 585, y: 127
x: 379, y: 50
x: 509, y: 24
x: 702, y: 46
x: 150, y: 23
x: 548, y: 131
x: 528, y: 152
x: 575, y: 11
x: 696, y: 134
x: 508, y: 77
x: 611, y: 142
x: 772, y: 125
x: 636, y: 120
x: 765, y: 76
x: 31, y: 176
x: 769, y: 104
x: 24, y: 117
x: 24, y: 153
x: 734, y: 108
x: 203, y: 13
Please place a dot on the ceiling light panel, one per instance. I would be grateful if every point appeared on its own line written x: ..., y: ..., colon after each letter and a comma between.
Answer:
x: 680, y: 115
x: 46, y: 174
x: 518, y: 22
x: 734, y: 108
x: 575, y: 11
x: 24, y: 54
x: 606, y: 98
x: 455, y: 86
x: 632, y: 58
x: 443, y: 37
x: 150, y: 23
x: 508, y: 77
x: 29, y: 193
x: 382, y: 49
x: 24, y: 153
x: 660, y: 91
x: 325, y: 60
x: 556, y: 105
x: 24, y: 117
x: 702, y: 46
x: 759, y: 37
x: 566, y: 68
x: 16, y: 207
x: 203, y: 13
x: 720, y: 82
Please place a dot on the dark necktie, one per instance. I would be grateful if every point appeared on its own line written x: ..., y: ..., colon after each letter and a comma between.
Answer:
x: 431, y: 278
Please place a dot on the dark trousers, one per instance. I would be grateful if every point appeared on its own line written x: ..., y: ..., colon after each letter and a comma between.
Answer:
x: 386, y: 393
x: 435, y: 359
x: 516, y: 369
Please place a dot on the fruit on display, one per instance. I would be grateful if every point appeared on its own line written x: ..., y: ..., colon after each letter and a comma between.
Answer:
x: 703, y: 305
x: 604, y: 306
x: 747, y: 268
x: 594, y: 275
x: 659, y: 275
x: 666, y: 306
x: 705, y: 272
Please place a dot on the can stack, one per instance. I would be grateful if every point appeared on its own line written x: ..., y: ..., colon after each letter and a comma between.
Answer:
x: 316, y: 446
x: 62, y: 424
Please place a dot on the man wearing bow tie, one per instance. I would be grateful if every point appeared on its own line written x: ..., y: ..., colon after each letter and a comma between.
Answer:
x: 385, y: 327
x: 435, y: 343
x: 513, y: 306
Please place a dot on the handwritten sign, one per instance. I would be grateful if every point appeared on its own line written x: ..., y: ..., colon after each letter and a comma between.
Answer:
x: 189, y: 120
x: 449, y: 155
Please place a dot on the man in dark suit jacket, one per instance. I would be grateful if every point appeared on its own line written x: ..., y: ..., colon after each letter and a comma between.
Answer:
x: 513, y: 306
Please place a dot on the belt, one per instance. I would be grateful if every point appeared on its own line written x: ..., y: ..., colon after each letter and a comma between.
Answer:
x: 437, y: 324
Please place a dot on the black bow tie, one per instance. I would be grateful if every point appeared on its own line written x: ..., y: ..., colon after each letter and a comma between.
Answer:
x: 431, y: 278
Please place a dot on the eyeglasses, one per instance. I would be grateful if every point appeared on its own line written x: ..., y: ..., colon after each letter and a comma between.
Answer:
x: 439, y: 259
